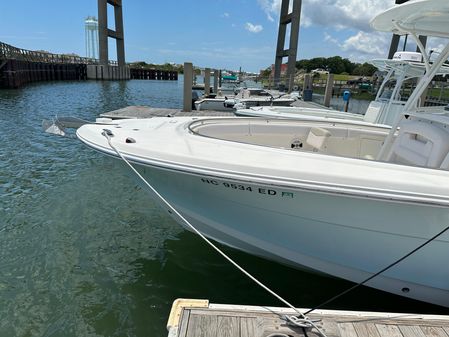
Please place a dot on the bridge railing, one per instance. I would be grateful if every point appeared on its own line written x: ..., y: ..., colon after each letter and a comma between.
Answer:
x: 10, y: 52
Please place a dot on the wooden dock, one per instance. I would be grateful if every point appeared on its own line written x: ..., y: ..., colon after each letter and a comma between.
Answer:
x: 153, y: 74
x: 149, y: 112
x: 199, y: 318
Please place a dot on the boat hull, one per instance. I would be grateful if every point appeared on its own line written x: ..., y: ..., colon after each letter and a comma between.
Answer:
x: 343, y: 236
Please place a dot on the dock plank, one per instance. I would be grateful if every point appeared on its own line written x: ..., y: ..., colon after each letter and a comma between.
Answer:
x: 202, y: 326
x: 411, y: 331
x: 389, y: 330
x: 328, y: 326
x: 446, y: 329
x: 366, y: 329
x: 347, y: 329
x: 184, y: 322
x: 228, y: 327
x: 431, y: 331
x: 216, y: 320
x: 149, y: 112
x: 250, y: 327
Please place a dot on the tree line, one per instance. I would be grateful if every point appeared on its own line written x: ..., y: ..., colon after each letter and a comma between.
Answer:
x: 336, y: 65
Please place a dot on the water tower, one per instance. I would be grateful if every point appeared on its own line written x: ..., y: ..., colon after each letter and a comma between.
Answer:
x: 91, y: 28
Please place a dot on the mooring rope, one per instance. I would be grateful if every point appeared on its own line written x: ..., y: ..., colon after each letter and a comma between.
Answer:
x: 304, y: 322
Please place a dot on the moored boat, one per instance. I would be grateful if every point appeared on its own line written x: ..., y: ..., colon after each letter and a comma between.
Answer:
x: 384, y: 109
x: 342, y: 197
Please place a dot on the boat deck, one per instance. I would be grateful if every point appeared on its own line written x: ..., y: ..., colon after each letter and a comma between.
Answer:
x: 149, y: 112
x: 198, y: 318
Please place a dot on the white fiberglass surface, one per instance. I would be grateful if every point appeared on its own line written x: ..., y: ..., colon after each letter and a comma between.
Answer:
x: 327, y: 138
x: 422, y: 17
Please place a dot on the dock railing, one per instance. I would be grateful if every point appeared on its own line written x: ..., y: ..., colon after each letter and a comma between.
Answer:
x: 8, y: 52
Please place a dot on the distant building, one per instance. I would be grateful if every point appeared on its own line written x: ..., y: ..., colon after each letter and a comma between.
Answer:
x: 284, y: 68
x: 91, y: 32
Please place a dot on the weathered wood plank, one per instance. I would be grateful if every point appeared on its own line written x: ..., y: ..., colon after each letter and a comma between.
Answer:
x: 411, y: 331
x: 388, y: 330
x: 227, y: 327
x: 184, y: 322
x: 238, y: 321
x: 149, y: 112
x: 250, y: 327
x: 202, y: 326
x: 347, y: 329
x: 329, y: 327
x: 434, y: 331
x: 446, y: 329
x: 364, y: 329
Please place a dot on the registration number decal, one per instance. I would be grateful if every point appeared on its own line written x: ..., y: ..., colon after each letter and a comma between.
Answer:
x: 247, y: 188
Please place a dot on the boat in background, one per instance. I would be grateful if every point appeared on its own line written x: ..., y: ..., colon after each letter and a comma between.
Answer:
x: 386, y: 107
x: 246, y: 97
x: 341, y: 197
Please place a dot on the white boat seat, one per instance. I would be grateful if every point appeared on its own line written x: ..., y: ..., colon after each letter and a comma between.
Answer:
x: 419, y: 143
x: 317, y: 137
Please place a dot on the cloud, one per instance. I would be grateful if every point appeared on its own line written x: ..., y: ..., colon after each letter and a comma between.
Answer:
x: 363, y: 45
x: 339, y: 14
x: 270, y: 7
x: 436, y: 44
x: 253, y: 28
x: 245, y: 56
x: 225, y: 15
x: 329, y: 38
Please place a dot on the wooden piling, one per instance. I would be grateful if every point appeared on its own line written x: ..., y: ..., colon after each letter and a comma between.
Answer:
x: 329, y: 89
x: 206, y: 81
x: 188, y: 83
x: 216, y: 80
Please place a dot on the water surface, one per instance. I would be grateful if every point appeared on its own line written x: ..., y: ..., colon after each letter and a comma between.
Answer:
x: 84, y: 252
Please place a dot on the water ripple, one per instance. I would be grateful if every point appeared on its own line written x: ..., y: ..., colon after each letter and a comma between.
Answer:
x: 84, y: 252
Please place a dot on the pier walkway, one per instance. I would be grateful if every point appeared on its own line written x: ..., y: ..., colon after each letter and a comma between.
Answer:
x: 20, y: 66
x: 199, y: 318
x: 149, y: 112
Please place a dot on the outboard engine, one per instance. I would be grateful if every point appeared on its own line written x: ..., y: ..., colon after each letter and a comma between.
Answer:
x: 239, y: 106
x: 195, y: 97
x: 229, y: 103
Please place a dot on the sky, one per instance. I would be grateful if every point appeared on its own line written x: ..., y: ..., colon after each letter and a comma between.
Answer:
x: 226, y: 34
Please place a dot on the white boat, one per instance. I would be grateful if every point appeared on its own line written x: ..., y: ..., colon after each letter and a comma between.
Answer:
x: 388, y: 104
x: 246, y: 97
x: 341, y: 197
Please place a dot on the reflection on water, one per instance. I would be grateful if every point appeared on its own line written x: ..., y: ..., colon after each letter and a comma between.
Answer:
x: 84, y: 252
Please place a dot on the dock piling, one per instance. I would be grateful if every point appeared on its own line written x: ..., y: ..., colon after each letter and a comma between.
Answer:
x: 207, y: 81
x: 307, y: 89
x: 329, y: 89
x: 216, y: 79
x: 188, y: 83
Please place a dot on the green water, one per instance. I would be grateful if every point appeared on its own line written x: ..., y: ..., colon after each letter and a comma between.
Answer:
x: 84, y: 252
